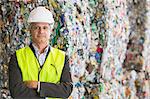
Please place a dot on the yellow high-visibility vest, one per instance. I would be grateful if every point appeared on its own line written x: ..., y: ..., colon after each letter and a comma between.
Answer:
x: 30, y: 67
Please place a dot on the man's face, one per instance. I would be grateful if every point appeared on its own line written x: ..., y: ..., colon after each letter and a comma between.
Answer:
x: 40, y: 32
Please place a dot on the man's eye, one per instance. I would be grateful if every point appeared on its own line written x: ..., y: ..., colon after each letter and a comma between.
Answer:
x: 45, y: 28
x: 35, y: 27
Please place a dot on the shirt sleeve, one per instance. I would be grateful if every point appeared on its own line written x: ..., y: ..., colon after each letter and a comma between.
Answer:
x: 61, y: 90
x: 16, y: 85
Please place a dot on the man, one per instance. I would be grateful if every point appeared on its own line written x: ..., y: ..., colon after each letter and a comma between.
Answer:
x: 39, y: 70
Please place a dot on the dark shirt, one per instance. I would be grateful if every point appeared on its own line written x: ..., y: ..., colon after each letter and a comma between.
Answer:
x: 19, y: 90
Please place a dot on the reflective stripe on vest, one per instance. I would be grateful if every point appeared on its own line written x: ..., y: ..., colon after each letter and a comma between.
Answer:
x: 51, y: 70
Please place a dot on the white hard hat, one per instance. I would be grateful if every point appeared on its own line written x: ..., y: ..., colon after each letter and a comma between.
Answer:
x: 40, y: 14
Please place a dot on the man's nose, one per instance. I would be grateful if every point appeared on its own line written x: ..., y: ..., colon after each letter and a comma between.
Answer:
x: 41, y: 30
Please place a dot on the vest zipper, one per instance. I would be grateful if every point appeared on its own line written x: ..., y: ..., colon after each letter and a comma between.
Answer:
x: 39, y: 74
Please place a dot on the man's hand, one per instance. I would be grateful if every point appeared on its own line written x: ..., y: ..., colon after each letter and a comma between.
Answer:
x: 31, y: 84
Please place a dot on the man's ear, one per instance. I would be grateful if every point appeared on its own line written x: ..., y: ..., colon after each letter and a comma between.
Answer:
x: 29, y: 27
